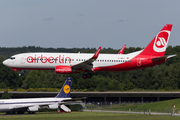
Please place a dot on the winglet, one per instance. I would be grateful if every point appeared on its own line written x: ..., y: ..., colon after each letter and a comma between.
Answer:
x: 66, y: 89
x: 96, y: 53
x: 122, y: 49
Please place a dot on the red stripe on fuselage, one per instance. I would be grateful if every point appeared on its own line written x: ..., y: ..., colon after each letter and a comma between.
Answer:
x: 136, y: 63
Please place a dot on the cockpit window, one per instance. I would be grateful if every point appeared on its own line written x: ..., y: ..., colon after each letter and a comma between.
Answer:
x: 12, y: 58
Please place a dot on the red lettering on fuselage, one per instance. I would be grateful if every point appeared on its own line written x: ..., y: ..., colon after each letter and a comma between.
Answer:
x: 43, y: 59
x: 51, y: 59
x: 30, y: 59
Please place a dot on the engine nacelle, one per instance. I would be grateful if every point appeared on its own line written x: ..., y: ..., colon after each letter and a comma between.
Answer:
x: 62, y: 69
x: 33, y: 108
x: 15, y: 69
x: 53, y: 106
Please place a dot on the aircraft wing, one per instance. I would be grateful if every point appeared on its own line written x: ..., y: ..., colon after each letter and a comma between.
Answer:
x: 26, y: 106
x: 20, y: 106
x: 87, y: 65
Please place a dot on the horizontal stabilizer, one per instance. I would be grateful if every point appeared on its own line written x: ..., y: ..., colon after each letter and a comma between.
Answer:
x: 74, y: 99
x: 170, y: 56
x: 162, y: 58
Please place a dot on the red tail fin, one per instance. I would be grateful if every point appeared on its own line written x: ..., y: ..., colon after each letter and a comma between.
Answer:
x: 157, y: 46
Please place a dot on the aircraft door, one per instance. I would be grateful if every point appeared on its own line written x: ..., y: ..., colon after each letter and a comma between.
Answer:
x: 22, y: 61
x: 138, y: 61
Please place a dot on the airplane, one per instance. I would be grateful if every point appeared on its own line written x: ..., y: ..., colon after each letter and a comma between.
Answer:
x: 122, y: 49
x: 68, y: 63
x: 34, y: 104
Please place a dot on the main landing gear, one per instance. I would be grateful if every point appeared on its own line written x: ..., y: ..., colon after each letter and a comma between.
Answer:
x: 88, y: 75
x: 23, y: 72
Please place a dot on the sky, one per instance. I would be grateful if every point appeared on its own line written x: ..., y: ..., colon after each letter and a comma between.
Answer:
x: 86, y: 23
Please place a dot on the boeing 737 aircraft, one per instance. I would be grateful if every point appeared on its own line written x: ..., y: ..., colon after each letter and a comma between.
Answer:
x: 68, y: 63
x: 34, y: 104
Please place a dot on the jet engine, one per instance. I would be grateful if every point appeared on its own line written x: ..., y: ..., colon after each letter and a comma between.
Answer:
x: 62, y: 69
x: 53, y: 106
x: 33, y: 108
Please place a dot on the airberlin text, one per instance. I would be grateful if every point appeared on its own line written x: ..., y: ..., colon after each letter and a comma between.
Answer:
x: 51, y: 59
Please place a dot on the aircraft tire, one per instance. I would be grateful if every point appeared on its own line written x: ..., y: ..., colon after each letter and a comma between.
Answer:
x: 89, y: 75
x: 30, y: 112
x: 84, y: 76
x: 20, y: 112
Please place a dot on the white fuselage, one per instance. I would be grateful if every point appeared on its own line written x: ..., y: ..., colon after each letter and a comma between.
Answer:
x: 12, y: 104
x: 51, y: 60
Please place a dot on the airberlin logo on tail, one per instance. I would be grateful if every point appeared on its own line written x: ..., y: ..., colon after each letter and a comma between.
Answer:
x: 161, y: 41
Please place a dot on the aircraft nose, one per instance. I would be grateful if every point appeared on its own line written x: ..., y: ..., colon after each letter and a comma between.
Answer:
x: 5, y: 62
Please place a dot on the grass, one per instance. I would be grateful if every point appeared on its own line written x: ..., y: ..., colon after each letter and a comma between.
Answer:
x: 156, y: 106
x: 86, y: 116
x: 162, y: 106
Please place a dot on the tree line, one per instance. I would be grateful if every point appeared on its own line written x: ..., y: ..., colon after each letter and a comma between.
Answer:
x: 165, y: 76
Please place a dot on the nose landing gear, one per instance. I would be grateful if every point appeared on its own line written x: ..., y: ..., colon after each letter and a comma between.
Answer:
x: 23, y: 72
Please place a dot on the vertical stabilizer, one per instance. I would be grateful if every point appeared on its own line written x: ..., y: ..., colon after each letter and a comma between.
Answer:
x: 157, y: 46
x: 66, y: 89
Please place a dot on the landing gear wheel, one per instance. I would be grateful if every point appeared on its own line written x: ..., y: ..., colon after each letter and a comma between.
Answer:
x: 20, y: 112
x: 23, y: 72
x: 30, y: 112
x: 19, y: 74
x: 84, y: 76
x: 89, y: 75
